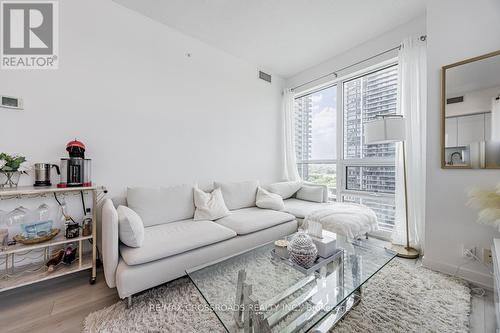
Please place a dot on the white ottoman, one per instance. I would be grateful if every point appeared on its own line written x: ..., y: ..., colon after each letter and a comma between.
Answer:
x: 348, y: 219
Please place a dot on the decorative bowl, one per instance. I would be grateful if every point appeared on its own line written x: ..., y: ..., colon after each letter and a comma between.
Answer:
x: 302, y: 250
x: 28, y: 241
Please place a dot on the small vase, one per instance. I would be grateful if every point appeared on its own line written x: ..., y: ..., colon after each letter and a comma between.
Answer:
x: 10, y: 179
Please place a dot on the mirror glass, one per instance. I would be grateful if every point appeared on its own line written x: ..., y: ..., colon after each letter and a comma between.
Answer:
x: 472, y: 113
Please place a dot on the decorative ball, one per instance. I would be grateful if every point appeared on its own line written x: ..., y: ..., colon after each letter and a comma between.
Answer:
x: 302, y: 250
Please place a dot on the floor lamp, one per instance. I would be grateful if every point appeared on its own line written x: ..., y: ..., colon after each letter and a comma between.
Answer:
x: 391, y: 129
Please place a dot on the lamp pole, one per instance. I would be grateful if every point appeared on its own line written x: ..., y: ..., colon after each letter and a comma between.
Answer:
x: 405, y: 251
x: 392, y: 129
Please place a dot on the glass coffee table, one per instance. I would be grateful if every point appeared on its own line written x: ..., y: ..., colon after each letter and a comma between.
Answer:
x: 257, y: 292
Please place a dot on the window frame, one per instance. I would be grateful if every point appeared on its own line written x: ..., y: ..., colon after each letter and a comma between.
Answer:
x: 340, y: 162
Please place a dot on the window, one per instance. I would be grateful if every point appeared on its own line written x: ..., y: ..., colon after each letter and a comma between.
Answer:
x: 360, y: 173
x: 373, y: 179
x: 365, y: 98
x: 370, y: 169
x: 316, y: 139
x: 383, y: 207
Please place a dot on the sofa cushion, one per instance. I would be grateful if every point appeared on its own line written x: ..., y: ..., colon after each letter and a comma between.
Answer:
x: 285, y: 189
x: 248, y: 220
x: 161, y: 205
x: 238, y: 195
x: 169, y: 239
x: 310, y: 193
x: 301, y: 208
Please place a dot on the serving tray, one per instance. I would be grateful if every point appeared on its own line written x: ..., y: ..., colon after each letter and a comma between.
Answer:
x: 320, y: 262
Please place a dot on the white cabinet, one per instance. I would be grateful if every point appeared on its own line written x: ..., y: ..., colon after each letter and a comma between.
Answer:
x: 451, y: 125
x: 495, y: 253
x: 470, y: 129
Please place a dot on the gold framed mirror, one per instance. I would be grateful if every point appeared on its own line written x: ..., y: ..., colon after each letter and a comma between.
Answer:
x: 470, y: 113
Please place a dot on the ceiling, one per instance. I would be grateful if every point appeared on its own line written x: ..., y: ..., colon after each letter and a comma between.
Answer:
x: 281, y: 36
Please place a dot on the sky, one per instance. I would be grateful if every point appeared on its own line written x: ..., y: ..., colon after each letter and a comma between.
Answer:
x: 324, y: 122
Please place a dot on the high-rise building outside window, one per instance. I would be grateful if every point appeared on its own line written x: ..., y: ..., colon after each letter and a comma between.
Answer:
x: 315, y: 137
x: 358, y: 173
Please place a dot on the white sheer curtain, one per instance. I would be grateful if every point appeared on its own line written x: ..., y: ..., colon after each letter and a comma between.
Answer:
x: 413, y: 106
x: 495, y: 119
x: 290, y: 171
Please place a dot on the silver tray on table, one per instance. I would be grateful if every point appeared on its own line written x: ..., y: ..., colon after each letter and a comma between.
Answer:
x: 320, y: 262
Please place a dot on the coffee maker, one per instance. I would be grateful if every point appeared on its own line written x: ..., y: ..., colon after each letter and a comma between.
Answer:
x: 75, y: 170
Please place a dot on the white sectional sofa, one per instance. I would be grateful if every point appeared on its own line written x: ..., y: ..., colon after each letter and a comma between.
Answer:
x: 174, y: 242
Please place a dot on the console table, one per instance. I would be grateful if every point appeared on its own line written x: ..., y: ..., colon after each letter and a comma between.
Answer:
x: 16, y: 276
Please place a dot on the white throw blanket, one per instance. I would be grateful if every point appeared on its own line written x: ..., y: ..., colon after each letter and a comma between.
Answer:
x: 347, y: 219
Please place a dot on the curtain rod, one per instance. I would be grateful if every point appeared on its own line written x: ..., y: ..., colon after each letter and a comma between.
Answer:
x: 422, y: 38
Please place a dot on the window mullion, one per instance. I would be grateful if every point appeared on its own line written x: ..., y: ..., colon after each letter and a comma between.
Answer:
x: 340, y: 141
x: 369, y: 162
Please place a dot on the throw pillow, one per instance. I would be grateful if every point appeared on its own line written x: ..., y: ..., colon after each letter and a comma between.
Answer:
x: 209, y: 206
x: 310, y: 193
x: 285, y: 189
x: 238, y: 195
x: 130, y: 227
x: 268, y: 200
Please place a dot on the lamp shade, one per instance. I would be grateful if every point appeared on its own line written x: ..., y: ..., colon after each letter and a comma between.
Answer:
x: 386, y: 129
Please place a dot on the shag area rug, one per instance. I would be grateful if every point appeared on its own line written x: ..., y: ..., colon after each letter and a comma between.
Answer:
x: 399, y: 298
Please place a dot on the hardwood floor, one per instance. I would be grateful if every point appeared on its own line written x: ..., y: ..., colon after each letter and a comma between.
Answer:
x: 60, y: 305
x: 482, y: 318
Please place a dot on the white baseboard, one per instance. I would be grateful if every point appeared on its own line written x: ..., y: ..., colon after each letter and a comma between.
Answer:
x: 477, y: 278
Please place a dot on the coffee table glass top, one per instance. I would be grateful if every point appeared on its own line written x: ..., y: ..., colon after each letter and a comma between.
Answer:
x: 283, y: 298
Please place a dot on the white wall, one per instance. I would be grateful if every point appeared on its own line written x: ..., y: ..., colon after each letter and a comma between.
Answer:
x: 456, y: 30
x: 375, y: 46
x: 147, y: 113
x: 474, y: 101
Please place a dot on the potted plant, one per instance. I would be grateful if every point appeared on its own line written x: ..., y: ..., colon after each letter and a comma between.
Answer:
x: 11, y: 169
